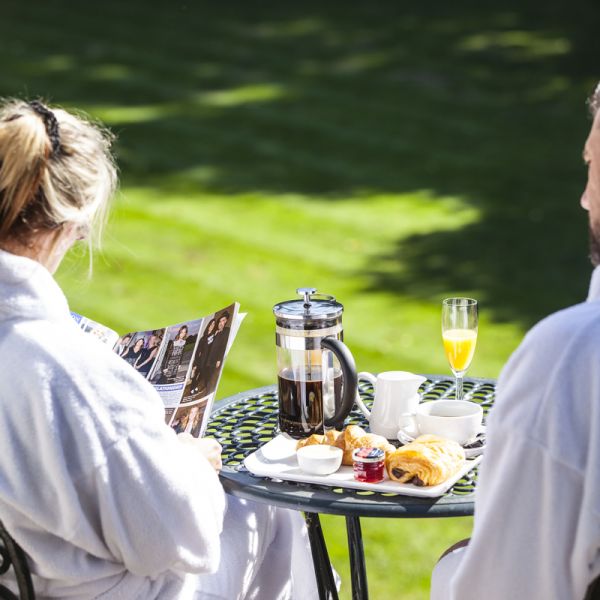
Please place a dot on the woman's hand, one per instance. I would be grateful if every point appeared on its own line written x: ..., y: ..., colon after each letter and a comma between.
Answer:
x: 212, y: 451
x: 209, y: 448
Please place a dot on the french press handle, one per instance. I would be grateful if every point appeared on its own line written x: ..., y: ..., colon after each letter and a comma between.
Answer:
x: 349, y: 380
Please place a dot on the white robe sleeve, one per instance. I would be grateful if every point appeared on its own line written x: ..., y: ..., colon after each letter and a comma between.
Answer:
x: 160, y: 505
x: 521, y: 529
x: 537, y: 527
x: 153, y: 502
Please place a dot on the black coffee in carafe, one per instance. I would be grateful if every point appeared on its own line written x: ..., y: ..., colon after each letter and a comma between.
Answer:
x: 301, y: 401
x: 316, y: 371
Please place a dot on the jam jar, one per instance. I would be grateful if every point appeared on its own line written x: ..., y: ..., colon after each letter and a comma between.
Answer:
x: 369, y: 464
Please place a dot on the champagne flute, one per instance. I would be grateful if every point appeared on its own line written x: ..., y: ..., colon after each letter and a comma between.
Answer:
x: 459, y: 333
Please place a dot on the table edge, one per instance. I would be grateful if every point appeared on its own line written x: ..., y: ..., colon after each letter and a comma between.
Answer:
x: 243, y: 484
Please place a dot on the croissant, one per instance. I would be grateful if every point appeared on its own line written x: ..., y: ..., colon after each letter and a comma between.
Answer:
x: 336, y: 438
x: 348, y: 440
x: 352, y: 433
x: 312, y: 440
x: 428, y: 460
x: 356, y: 437
x: 333, y: 437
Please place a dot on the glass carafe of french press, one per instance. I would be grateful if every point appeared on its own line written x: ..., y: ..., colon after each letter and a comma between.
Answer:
x: 316, y: 371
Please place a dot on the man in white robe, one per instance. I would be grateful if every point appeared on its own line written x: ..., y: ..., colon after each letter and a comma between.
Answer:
x: 537, y: 511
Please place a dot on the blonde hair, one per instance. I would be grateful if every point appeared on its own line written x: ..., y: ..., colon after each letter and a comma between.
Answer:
x: 55, y: 169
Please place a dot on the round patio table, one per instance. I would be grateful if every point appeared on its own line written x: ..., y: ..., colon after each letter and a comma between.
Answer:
x: 246, y: 421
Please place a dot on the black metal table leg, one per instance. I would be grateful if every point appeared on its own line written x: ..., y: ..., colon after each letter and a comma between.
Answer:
x: 358, y: 570
x: 323, y: 570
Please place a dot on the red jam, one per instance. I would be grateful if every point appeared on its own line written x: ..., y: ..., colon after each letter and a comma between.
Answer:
x: 368, y: 464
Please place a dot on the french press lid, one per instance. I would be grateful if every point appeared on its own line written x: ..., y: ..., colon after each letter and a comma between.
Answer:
x: 312, y: 311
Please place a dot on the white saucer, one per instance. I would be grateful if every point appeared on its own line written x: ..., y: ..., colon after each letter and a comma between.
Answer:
x: 473, y: 448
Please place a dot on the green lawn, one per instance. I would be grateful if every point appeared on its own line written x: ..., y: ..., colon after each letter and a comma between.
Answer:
x: 388, y: 154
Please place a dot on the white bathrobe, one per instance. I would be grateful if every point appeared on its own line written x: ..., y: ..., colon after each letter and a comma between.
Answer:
x: 537, y: 509
x: 103, y: 497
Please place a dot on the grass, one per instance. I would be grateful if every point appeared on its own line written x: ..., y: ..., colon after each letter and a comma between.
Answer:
x: 386, y: 154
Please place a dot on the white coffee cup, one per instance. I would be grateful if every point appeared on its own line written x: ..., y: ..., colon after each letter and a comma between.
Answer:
x: 396, y: 393
x: 458, y: 420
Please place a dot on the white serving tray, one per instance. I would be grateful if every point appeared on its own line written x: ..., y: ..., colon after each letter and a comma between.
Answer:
x: 277, y: 460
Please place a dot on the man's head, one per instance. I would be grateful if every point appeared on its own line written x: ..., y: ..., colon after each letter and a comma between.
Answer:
x: 222, y: 321
x: 591, y: 195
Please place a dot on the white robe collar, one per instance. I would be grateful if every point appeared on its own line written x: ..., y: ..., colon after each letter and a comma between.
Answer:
x: 594, y: 292
x: 27, y: 289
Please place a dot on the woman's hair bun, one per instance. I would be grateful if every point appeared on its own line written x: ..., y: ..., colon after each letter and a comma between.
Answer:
x: 56, y: 168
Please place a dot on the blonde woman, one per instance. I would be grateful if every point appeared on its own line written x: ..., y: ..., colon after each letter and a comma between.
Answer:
x: 104, y: 498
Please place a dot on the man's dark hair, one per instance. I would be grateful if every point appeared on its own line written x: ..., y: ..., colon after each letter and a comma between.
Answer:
x: 594, y: 101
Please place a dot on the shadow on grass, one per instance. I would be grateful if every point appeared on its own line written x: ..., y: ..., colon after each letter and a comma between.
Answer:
x: 344, y: 100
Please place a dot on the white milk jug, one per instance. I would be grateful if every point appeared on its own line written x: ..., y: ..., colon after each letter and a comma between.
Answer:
x: 396, y: 393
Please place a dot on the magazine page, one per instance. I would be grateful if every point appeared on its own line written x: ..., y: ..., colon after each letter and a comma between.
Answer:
x: 169, y: 373
x: 183, y: 362
x: 204, y: 372
x: 101, y: 332
x: 140, y: 349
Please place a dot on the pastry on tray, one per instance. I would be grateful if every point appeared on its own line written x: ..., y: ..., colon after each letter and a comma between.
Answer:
x: 356, y: 437
x: 348, y: 440
x: 333, y: 437
x: 315, y: 438
x: 428, y: 460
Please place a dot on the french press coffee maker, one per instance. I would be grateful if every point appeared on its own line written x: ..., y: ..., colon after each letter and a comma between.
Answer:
x: 316, y: 371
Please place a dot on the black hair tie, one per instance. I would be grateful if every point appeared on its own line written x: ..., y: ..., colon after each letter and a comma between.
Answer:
x: 50, y: 123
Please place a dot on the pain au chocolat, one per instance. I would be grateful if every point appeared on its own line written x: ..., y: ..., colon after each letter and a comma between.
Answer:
x: 428, y: 460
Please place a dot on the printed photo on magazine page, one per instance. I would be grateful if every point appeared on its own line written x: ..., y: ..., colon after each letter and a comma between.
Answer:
x: 183, y: 362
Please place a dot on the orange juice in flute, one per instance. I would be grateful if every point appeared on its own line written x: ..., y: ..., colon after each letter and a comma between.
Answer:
x: 459, y: 333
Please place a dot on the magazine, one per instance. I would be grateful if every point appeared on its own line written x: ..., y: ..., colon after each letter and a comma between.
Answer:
x: 183, y: 362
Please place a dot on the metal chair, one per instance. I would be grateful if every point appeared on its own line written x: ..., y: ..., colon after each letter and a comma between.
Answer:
x: 13, y: 556
x: 593, y: 591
